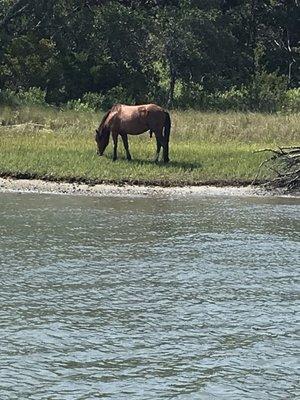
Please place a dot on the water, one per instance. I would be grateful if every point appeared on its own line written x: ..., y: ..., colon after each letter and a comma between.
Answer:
x: 148, y: 297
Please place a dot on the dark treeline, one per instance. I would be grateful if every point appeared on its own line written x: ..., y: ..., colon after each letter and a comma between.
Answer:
x: 182, y: 53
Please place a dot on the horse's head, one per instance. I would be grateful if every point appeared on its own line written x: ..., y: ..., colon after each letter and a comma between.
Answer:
x: 102, y: 139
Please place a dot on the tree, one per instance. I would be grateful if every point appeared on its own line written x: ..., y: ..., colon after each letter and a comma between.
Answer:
x: 69, y: 47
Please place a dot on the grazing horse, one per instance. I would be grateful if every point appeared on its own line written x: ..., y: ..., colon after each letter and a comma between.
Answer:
x: 126, y: 120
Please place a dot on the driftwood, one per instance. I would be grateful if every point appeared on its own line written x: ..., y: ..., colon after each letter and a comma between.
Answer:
x: 24, y: 125
x: 284, y: 163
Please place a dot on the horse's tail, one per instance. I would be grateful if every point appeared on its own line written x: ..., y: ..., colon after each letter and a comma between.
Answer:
x: 167, y: 130
x: 167, y: 127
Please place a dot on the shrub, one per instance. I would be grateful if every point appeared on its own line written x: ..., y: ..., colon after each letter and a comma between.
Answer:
x: 78, y: 105
x: 32, y: 96
x: 93, y: 100
x: 267, y: 92
x: 118, y: 94
x: 194, y: 96
x: 9, y: 98
x: 190, y: 95
x: 232, y: 99
x: 292, y: 100
x: 89, y: 102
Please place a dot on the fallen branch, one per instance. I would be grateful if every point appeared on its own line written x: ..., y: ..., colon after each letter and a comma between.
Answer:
x: 24, y: 124
x: 284, y: 162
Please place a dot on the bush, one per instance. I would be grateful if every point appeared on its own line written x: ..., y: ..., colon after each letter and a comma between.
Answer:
x: 89, y: 102
x: 9, y: 98
x: 78, y: 105
x: 93, y: 100
x: 194, y: 96
x: 232, y: 99
x: 292, y: 100
x: 267, y: 92
x: 190, y: 95
x: 32, y: 96
x: 118, y: 94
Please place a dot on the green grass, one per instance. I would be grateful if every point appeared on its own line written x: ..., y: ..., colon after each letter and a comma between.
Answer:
x: 216, y: 148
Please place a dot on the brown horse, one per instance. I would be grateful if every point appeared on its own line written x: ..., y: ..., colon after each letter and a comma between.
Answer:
x: 126, y: 120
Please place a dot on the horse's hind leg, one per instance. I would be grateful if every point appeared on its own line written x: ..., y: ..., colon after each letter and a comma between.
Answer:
x: 158, y: 147
x: 161, y: 142
x: 126, y: 146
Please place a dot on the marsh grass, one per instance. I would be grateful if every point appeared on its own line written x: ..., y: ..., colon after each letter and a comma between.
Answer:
x: 204, y: 147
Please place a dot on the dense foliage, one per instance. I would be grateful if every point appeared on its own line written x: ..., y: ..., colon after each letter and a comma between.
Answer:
x: 238, y: 54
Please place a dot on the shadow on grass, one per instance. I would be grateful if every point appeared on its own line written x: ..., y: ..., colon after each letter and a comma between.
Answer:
x: 186, y: 166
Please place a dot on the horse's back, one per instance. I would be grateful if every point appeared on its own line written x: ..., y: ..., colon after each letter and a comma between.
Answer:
x: 135, y: 119
x: 142, y: 112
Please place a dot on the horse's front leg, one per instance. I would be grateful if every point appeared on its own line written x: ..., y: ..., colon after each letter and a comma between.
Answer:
x: 115, y: 140
x: 126, y: 146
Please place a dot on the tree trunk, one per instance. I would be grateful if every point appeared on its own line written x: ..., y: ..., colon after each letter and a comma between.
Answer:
x: 170, y: 100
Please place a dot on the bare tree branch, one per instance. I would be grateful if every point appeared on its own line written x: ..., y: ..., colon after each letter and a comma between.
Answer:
x: 286, y: 160
x: 13, y: 11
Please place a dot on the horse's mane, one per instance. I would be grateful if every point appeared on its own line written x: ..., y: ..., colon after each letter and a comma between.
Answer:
x: 104, y: 119
x: 113, y: 108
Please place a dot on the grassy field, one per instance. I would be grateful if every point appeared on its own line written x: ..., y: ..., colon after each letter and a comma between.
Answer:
x: 214, y: 148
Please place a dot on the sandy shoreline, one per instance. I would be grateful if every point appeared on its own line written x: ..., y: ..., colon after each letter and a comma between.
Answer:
x: 9, y: 185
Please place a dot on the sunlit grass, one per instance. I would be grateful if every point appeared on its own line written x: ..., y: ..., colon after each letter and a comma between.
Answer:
x: 204, y: 147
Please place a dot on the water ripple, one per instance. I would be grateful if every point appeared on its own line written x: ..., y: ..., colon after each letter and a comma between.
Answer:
x: 147, y: 298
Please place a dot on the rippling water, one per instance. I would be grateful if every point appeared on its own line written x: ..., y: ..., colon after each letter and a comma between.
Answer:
x: 148, y: 297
